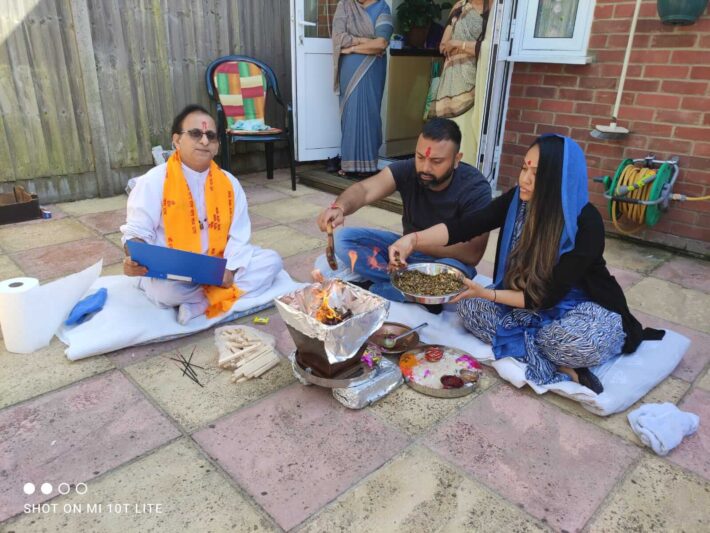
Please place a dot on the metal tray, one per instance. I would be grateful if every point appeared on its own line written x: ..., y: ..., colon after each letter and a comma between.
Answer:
x: 431, y: 269
x: 439, y: 392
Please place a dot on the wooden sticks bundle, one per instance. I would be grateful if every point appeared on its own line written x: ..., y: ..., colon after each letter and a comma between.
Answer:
x: 246, y: 351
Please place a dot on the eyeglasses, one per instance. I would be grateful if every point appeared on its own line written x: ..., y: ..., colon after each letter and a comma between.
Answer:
x: 196, y: 134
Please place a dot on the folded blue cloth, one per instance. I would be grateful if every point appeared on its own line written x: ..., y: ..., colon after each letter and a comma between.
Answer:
x: 86, y: 308
x: 251, y: 125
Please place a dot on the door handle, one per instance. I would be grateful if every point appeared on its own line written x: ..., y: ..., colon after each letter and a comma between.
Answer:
x: 305, y: 23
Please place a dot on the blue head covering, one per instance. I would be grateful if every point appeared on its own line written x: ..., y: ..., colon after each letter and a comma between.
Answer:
x: 575, y: 196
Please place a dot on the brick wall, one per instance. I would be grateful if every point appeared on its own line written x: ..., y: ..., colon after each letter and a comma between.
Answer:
x: 666, y: 105
x: 326, y: 10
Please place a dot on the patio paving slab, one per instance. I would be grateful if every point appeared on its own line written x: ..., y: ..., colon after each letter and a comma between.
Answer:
x: 698, y: 354
x: 94, y: 205
x: 490, y: 253
x: 113, y: 270
x: 672, y: 302
x: 284, y: 186
x: 414, y: 413
x: 259, y: 222
x: 704, y: 382
x: 18, y: 238
x: 105, y: 222
x: 8, y: 268
x: 420, y: 492
x: 276, y: 327
x: 555, y: 466
x: 631, y: 256
x: 192, y: 497
x: 298, y: 449
x: 690, y: 273
x: 379, y: 217
x: 286, y: 211
x: 137, y: 354
x: 656, y: 496
x: 115, y: 238
x: 301, y: 265
x: 694, y: 452
x: 626, y: 278
x: 286, y: 241
x: 193, y: 406
x: 73, y: 435
x: 670, y: 390
x: 60, y: 260
x: 25, y: 376
x: 260, y: 194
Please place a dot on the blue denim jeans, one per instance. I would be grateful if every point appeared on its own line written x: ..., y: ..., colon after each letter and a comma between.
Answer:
x: 371, y: 246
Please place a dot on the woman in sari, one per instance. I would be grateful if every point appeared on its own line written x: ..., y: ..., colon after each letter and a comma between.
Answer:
x: 461, y: 45
x: 361, y: 33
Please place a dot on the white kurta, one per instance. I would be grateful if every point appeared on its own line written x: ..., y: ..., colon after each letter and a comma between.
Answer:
x: 255, y: 268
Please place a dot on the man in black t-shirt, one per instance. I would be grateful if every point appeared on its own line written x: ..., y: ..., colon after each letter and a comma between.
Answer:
x: 435, y: 187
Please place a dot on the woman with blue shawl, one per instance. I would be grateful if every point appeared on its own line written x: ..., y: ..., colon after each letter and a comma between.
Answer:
x: 361, y: 33
x: 553, y: 304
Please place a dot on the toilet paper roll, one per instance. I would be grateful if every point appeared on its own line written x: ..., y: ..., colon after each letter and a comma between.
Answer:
x: 30, y: 314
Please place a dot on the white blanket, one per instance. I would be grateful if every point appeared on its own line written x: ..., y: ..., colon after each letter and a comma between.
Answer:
x: 129, y: 319
x: 626, y: 378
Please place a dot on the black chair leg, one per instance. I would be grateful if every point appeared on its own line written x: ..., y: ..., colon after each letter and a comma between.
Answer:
x: 292, y: 162
x: 269, y: 151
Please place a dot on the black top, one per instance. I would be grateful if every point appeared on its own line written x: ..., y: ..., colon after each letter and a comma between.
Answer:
x: 467, y: 192
x: 582, y: 267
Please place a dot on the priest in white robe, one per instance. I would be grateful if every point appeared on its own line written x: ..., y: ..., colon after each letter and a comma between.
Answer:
x: 160, y: 196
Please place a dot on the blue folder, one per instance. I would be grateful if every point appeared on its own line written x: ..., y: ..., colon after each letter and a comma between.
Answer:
x: 169, y: 263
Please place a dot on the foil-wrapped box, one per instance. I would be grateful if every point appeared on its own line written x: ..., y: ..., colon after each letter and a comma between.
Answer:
x: 387, y: 378
x: 362, y: 314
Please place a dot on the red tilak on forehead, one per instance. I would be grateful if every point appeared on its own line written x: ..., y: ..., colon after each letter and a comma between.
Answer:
x: 529, y: 161
x: 428, y: 151
x: 204, y: 125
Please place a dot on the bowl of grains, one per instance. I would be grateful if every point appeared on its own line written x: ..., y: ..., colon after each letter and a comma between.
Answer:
x: 428, y: 283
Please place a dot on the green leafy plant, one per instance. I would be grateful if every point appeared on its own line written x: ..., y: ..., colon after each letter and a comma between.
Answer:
x: 419, y: 13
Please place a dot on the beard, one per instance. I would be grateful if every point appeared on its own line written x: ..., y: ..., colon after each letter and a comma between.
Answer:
x: 432, y: 180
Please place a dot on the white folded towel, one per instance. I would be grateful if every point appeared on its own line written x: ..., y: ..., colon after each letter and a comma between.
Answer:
x: 662, y: 426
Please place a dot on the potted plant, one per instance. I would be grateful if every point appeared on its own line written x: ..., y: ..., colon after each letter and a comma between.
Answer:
x: 681, y: 12
x: 415, y: 17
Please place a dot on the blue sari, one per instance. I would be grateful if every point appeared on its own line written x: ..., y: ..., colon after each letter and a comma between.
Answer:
x: 362, y: 84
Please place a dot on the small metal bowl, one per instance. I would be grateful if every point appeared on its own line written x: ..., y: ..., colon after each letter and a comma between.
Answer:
x: 431, y: 269
x: 394, y: 328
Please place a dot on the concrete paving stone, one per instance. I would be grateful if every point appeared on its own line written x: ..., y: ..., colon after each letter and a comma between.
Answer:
x: 25, y: 376
x: 490, y: 253
x: 286, y: 241
x: 191, y: 494
x: 106, y: 221
x: 656, y: 496
x: 193, y: 406
x: 669, y: 390
x: 137, y: 354
x: 300, y: 266
x: 113, y: 270
x: 276, y: 327
x: 60, y: 260
x: 115, y: 238
x: 298, y: 449
x: 19, y: 238
x: 284, y: 186
x: 704, y: 382
x: 73, y: 435
x: 286, y: 211
x: 690, y: 273
x: 694, y: 452
x: 308, y: 226
x: 260, y: 178
x: 672, y: 302
x: 414, y: 413
x: 555, y: 466
x: 379, y: 217
x: 626, y: 278
x: 698, y: 354
x: 259, y: 194
x: 259, y: 222
x: 320, y: 198
x: 94, y: 205
x: 485, y: 268
x: 8, y: 268
x: 419, y: 492
x: 631, y: 256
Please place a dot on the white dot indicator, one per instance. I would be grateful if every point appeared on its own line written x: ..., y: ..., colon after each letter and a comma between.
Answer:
x: 29, y: 488
x: 46, y: 488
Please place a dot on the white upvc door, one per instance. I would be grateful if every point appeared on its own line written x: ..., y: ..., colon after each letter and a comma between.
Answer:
x: 316, y: 108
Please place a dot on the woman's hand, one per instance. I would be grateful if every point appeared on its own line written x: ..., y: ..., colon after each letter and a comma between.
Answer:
x: 450, y: 47
x: 348, y: 50
x: 473, y: 290
x: 400, y: 250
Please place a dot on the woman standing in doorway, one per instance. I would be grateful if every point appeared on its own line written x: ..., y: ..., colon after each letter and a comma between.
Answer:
x: 461, y: 45
x: 361, y: 33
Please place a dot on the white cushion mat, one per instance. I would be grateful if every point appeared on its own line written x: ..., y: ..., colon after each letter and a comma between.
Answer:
x: 129, y: 318
x: 626, y: 378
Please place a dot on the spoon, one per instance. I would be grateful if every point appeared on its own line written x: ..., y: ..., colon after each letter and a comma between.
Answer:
x: 390, y: 340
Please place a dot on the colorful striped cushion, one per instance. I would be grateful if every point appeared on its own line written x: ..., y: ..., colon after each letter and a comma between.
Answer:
x: 242, y: 91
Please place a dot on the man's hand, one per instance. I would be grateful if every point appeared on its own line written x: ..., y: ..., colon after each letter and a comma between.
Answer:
x: 400, y: 250
x: 331, y: 214
x: 131, y: 268
x: 228, y: 279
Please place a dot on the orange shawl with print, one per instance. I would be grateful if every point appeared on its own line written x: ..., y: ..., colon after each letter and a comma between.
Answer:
x: 182, y: 227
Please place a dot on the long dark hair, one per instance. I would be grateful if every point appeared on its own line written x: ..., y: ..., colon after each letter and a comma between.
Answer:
x: 531, y: 261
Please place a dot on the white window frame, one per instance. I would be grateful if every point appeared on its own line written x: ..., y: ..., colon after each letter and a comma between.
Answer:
x: 528, y: 48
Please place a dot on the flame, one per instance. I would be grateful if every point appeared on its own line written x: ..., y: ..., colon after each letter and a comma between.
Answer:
x: 372, y: 260
x: 326, y: 313
x: 353, y: 258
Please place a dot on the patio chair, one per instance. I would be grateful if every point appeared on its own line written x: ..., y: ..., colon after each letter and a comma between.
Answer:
x: 240, y: 85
